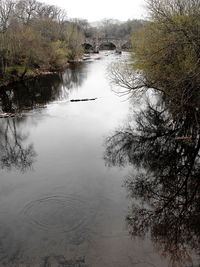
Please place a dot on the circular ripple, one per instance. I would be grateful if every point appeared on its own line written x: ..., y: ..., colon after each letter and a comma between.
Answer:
x: 58, y: 213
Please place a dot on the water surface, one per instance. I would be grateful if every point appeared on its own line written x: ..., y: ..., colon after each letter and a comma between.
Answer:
x: 60, y: 205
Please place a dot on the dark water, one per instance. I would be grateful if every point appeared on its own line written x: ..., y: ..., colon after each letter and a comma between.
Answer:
x: 60, y: 204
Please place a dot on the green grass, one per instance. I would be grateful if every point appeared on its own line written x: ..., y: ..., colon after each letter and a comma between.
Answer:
x: 20, y: 69
x: 16, y: 67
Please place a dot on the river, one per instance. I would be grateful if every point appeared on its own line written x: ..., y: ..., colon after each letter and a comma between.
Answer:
x: 60, y: 204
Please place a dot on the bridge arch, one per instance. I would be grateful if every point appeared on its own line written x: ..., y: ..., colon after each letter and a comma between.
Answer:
x: 107, y: 46
x: 97, y: 43
x: 87, y: 47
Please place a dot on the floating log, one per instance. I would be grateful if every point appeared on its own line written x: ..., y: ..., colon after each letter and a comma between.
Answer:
x: 84, y: 99
x: 10, y: 115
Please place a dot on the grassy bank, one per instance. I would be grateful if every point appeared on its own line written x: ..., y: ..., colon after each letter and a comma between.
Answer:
x: 18, y: 73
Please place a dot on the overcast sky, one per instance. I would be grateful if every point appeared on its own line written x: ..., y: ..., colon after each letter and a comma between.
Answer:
x: 94, y: 10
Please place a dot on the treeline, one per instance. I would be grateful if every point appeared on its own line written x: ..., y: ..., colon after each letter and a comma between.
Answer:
x: 109, y: 28
x: 33, y: 36
x: 122, y: 30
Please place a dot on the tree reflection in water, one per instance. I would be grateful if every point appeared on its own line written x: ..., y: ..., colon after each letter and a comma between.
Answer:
x: 74, y: 76
x: 29, y: 95
x: 166, y: 183
x: 14, y: 152
x: 38, y: 92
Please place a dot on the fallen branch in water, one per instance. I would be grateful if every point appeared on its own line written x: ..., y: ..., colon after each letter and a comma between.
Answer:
x: 10, y: 115
x: 84, y: 99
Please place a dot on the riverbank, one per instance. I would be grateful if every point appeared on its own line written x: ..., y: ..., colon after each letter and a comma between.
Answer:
x: 18, y: 75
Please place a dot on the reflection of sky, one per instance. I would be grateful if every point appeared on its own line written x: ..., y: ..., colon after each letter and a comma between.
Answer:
x: 77, y: 130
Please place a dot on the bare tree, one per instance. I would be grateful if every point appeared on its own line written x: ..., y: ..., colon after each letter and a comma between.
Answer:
x: 6, y: 8
x: 26, y: 10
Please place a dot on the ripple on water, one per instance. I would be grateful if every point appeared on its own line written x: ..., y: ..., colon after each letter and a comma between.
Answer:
x: 63, y: 213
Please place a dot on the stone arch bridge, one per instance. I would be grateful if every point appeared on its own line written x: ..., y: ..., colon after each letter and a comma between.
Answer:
x: 95, y: 44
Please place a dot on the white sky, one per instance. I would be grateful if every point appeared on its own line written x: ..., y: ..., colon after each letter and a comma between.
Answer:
x: 94, y: 10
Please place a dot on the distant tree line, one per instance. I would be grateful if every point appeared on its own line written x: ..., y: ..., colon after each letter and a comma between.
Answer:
x: 34, y: 35
x: 110, y: 28
x: 122, y: 30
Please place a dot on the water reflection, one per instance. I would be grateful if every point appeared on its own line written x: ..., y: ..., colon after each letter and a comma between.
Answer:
x: 70, y: 210
x: 74, y: 76
x: 35, y: 93
x: 24, y: 96
x: 165, y: 185
x: 14, y: 152
x: 10, y: 248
